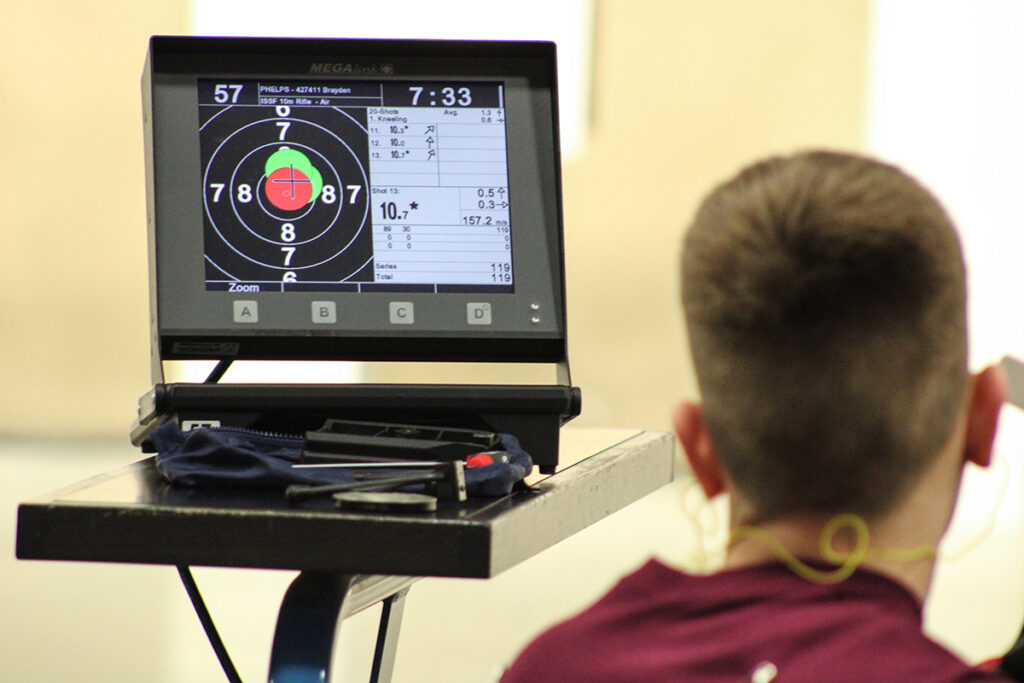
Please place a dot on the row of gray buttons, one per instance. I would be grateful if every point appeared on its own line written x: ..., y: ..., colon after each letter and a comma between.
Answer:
x: 326, y: 312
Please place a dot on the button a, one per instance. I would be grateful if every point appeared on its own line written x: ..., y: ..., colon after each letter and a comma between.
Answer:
x: 246, y: 311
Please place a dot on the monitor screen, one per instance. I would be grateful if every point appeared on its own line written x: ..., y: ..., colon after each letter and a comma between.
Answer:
x: 354, y: 199
x: 375, y: 186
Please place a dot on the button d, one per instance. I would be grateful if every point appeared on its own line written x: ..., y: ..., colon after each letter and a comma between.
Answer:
x: 478, y: 314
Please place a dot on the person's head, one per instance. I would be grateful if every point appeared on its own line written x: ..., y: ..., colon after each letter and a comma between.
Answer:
x: 824, y: 297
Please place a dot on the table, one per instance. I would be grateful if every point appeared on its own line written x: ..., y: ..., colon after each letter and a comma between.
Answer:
x: 347, y: 561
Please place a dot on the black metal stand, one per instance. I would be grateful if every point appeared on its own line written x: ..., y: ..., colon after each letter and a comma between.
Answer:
x: 314, y: 605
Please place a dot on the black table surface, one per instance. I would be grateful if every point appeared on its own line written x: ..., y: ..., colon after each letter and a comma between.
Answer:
x: 133, y: 515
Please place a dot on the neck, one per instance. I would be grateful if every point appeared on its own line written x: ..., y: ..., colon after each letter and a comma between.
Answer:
x: 901, y: 542
x: 892, y: 550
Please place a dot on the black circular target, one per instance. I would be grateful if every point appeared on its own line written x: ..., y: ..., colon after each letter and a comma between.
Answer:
x: 286, y: 196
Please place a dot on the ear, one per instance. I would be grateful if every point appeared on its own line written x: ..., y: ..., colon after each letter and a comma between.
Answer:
x: 690, y: 427
x: 987, y: 393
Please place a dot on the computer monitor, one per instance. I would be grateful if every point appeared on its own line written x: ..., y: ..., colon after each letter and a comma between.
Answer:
x: 354, y: 200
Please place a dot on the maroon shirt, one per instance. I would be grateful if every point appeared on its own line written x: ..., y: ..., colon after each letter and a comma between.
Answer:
x: 742, y: 625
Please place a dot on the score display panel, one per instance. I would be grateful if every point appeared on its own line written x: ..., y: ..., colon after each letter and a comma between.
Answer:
x: 355, y: 186
x: 347, y: 199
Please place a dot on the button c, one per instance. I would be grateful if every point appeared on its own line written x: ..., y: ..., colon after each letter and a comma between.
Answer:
x: 401, y: 313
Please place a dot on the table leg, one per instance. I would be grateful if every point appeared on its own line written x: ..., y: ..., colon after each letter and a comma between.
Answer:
x: 306, y: 623
x: 387, y: 637
x: 308, y: 620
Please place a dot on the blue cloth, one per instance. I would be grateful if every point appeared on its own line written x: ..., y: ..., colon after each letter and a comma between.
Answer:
x: 229, y: 457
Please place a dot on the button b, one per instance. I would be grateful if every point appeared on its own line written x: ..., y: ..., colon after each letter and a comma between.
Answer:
x: 324, y: 312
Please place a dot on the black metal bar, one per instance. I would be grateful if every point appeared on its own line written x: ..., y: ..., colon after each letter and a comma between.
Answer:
x: 207, y: 621
x: 218, y: 371
x: 387, y: 637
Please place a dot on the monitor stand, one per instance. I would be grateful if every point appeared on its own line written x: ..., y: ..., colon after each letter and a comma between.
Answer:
x: 531, y: 413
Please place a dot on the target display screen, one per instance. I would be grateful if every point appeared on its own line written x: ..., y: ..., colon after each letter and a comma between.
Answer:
x: 326, y: 185
x: 354, y: 199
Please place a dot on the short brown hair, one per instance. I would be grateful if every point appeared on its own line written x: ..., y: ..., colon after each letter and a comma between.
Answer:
x: 825, y: 303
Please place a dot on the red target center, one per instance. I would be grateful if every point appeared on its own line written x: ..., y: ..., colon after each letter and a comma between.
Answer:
x: 288, y: 189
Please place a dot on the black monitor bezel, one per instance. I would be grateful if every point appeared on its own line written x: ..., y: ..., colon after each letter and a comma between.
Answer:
x: 175, y: 57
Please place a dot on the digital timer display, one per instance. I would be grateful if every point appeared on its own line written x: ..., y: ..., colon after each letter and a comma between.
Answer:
x: 355, y: 185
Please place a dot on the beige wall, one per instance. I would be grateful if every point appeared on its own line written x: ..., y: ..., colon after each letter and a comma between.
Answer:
x: 73, y: 302
x: 684, y: 92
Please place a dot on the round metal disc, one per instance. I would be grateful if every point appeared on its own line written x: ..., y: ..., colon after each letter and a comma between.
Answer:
x: 385, y: 501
